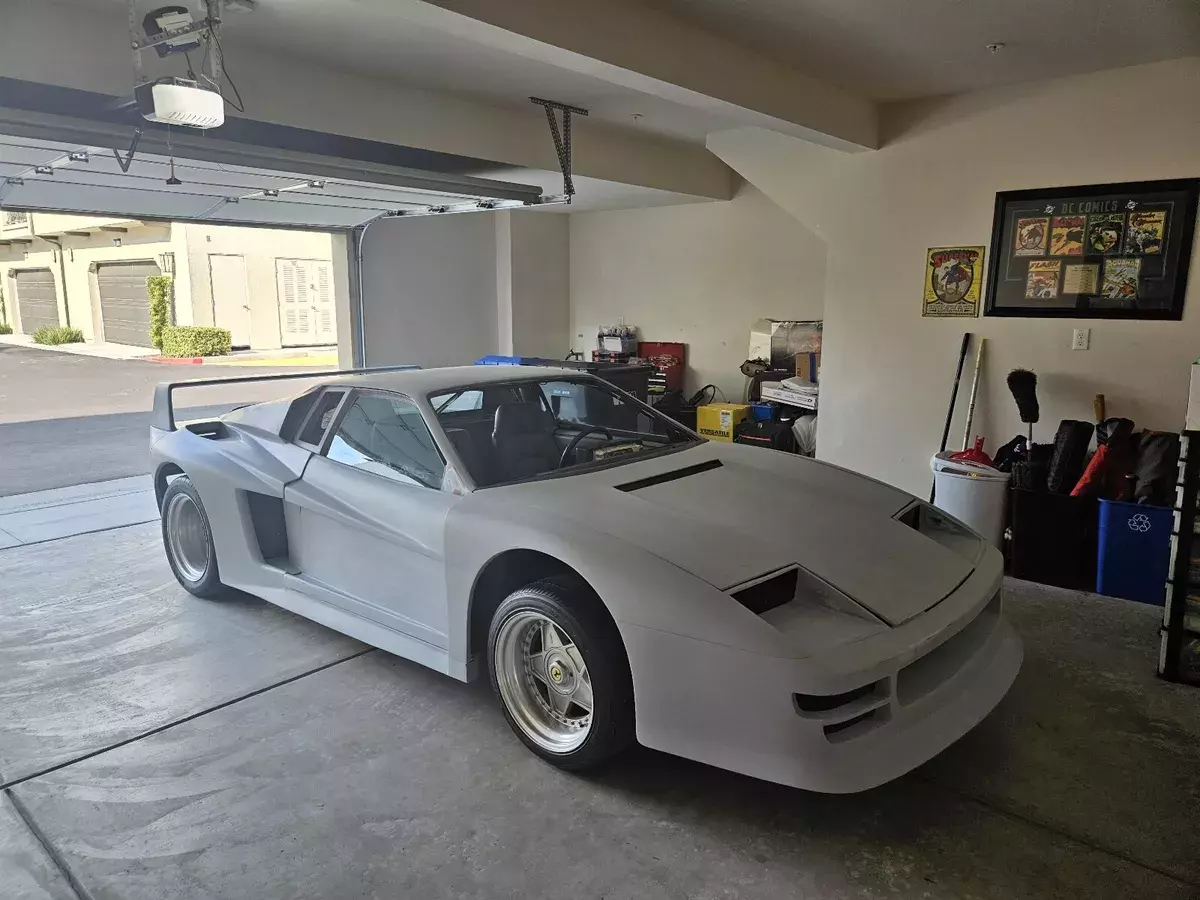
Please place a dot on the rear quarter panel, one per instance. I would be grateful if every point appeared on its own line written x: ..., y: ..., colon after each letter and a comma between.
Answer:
x: 222, y: 471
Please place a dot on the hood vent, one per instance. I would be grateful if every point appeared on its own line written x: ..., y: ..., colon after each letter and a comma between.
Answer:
x: 668, y: 476
x: 765, y: 595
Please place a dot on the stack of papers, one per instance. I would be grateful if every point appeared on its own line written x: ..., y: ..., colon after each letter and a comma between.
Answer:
x: 790, y: 391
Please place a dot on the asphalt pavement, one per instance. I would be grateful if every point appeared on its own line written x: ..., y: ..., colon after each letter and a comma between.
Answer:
x: 67, y: 419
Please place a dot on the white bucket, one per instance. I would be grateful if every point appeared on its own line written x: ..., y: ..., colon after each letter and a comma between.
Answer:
x: 973, y: 493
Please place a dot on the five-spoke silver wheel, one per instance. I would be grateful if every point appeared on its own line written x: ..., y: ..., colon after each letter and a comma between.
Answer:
x: 543, y: 680
x: 187, y: 537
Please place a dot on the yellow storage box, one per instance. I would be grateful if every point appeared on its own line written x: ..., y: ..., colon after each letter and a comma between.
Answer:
x: 717, y: 420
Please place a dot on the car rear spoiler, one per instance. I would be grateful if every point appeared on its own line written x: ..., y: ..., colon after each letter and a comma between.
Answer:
x: 162, y: 416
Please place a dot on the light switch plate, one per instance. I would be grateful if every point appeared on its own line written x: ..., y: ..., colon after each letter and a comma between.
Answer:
x: 1081, y: 338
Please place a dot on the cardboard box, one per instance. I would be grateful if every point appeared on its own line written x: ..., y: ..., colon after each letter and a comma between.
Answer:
x: 716, y: 421
x: 808, y: 367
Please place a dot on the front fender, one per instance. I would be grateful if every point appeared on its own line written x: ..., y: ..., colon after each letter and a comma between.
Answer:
x: 637, y: 587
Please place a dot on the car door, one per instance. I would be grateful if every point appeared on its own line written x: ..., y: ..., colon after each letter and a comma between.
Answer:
x: 366, y: 522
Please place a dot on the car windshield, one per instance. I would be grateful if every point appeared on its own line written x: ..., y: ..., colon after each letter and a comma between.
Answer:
x: 521, y: 429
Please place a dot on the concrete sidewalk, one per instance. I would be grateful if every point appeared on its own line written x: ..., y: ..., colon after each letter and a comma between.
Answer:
x: 99, y: 349
x: 285, y: 356
x: 64, y: 512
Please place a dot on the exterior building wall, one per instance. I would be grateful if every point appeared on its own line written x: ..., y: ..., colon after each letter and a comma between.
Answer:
x: 181, y: 250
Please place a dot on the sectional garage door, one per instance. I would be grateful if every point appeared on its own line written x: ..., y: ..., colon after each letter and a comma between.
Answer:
x: 36, y: 299
x: 124, y: 303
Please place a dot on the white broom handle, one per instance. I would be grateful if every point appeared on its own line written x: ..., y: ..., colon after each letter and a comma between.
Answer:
x: 974, y: 392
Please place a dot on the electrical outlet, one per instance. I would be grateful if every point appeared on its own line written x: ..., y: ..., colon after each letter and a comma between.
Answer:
x: 1080, y: 338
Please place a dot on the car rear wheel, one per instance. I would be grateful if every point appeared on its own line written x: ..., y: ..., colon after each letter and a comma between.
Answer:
x: 187, y: 538
x: 558, y: 666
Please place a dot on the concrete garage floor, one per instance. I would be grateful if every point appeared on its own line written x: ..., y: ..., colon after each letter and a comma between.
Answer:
x: 256, y: 755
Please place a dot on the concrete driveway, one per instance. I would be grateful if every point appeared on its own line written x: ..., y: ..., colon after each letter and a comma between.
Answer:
x: 67, y: 419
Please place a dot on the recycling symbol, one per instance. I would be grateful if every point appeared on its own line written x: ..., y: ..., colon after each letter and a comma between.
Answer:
x: 1139, y: 522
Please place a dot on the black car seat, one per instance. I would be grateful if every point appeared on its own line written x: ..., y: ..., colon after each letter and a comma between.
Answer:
x: 523, y: 435
x: 468, y: 454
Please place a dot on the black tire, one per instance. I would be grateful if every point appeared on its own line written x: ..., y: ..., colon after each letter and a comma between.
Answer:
x: 208, y: 585
x: 575, y: 609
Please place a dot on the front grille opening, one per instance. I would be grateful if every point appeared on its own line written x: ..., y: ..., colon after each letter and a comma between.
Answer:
x: 840, y: 732
x: 769, y: 593
x: 821, y: 703
x: 939, y: 665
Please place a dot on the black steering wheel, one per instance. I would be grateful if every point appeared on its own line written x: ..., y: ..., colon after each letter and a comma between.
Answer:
x: 570, y: 448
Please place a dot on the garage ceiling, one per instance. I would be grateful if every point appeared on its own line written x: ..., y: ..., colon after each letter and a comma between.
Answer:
x: 892, y: 50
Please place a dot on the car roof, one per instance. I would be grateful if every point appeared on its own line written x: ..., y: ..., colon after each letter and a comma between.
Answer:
x: 429, y: 381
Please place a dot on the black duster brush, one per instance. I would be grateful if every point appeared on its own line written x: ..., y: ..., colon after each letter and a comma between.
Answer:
x: 1023, y: 385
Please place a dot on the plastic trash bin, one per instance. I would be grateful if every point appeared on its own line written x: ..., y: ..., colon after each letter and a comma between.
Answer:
x: 1133, y: 559
x: 971, y: 492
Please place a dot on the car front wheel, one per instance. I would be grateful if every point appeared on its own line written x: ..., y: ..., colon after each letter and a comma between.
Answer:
x: 559, y: 668
x: 187, y: 538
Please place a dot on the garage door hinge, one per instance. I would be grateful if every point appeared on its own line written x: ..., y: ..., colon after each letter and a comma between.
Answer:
x: 562, y: 138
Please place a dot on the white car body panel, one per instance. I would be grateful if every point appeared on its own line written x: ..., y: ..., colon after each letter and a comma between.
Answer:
x: 396, y: 566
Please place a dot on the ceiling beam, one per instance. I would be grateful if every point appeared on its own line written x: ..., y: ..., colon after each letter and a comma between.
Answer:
x: 646, y: 50
x: 328, y: 105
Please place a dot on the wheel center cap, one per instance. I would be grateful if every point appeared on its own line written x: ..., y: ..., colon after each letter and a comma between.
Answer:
x: 561, y: 673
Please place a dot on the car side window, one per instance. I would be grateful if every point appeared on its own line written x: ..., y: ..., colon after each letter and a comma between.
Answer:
x: 319, y: 419
x: 462, y: 401
x: 387, y: 436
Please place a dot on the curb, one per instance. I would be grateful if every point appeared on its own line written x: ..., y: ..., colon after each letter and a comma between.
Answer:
x: 174, y: 360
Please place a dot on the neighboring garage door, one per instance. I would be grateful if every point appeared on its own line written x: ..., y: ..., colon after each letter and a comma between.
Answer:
x: 36, y: 299
x: 124, y: 303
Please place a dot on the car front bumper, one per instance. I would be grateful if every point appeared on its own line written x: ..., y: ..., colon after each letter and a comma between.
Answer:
x: 745, y: 712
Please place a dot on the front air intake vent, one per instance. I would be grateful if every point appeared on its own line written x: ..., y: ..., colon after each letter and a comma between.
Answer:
x: 769, y: 593
x: 911, y: 517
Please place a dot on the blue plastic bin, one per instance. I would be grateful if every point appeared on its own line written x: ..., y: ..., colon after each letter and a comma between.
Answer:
x: 1134, y: 556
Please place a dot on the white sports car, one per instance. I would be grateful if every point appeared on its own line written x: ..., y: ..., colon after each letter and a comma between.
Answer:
x: 617, y: 575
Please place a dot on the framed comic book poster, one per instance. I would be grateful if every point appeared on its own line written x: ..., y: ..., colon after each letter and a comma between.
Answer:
x: 953, y: 282
x: 1100, y: 251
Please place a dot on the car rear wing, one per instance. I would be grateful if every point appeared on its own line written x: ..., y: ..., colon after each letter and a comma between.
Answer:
x: 162, y: 416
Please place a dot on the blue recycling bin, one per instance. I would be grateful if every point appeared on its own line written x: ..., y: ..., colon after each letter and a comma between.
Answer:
x: 1134, y: 555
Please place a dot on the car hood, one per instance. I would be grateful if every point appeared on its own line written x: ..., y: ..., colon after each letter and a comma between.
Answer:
x: 728, y: 514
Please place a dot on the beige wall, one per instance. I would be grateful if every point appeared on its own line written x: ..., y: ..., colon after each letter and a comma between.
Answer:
x: 886, y: 371
x: 701, y: 274
x: 260, y: 247
x: 190, y: 247
x: 149, y: 242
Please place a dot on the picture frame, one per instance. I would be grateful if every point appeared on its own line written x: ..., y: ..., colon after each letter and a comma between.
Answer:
x: 1099, y: 251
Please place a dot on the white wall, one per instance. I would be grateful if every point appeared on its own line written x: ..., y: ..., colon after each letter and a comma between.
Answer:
x: 701, y: 274
x: 886, y: 371
x: 540, y: 284
x: 446, y: 290
x: 429, y: 290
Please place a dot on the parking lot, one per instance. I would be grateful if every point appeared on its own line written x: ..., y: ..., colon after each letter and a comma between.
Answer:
x: 159, y: 746
x: 68, y: 419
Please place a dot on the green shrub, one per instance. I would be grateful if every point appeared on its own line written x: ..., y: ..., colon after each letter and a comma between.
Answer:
x: 57, y: 334
x: 159, y: 288
x: 5, y: 328
x: 194, y: 340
